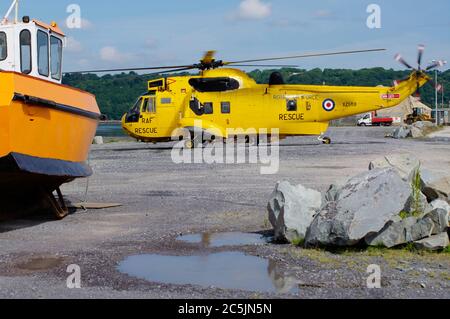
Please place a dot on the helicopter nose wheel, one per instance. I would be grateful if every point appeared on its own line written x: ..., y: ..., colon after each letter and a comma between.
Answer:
x: 325, y: 140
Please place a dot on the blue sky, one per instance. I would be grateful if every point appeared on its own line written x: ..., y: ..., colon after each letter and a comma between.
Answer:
x: 139, y: 33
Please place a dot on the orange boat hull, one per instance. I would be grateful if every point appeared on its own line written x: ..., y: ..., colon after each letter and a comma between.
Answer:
x: 46, y: 131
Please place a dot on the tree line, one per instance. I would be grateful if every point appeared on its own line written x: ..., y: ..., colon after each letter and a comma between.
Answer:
x: 117, y: 93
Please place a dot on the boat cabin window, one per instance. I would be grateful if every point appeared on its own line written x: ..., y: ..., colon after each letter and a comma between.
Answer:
x: 214, y: 84
x: 56, y: 47
x: 43, y: 53
x: 3, y: 46
x: 25, y: 51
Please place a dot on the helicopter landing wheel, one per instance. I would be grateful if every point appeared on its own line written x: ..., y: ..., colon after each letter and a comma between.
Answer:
x: 189, y: 144
x: 325, y: 140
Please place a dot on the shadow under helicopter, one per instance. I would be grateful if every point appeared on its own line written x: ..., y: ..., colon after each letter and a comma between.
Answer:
x: 170, y: 148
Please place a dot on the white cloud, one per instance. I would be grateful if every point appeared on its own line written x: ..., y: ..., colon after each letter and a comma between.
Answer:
x: 151, y: 43
x: 322, y: 14
x: 111, y: 54
x: 86, y: 24
x: 73, y: 45
x: 254, y: 10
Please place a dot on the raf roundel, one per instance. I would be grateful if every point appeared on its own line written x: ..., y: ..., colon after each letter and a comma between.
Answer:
x: 329, y: 105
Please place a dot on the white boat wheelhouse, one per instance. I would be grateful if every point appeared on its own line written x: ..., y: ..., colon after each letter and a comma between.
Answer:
x: 32, y: 48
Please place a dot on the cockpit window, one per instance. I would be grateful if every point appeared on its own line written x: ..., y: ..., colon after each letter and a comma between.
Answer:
x: 214, y: 84
x: 25, y: 51
x: 3, y: 46
x: 56, y: 57
x: 42, y: 44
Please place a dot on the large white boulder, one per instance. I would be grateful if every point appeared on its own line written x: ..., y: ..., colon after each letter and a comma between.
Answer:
x: 362, y: 207
x: 292, y: 210
x: 404, y: 164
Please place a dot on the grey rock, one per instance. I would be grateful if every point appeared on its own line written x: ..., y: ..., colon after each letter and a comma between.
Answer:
x: 439, y: 218
x: 417, y: 206
x: 410, y: 230
x: 292, y: 210
x: 332, y: 194
x: 98, y: 140
x: 442, y: 204
x: 405, y: 164
x: 402, y: 132
x: 363, y: 206
x: 394, y: 234
x: 423, y: 124
x: 434, y: 243
x: 435, y: 186
x: 417, y: 132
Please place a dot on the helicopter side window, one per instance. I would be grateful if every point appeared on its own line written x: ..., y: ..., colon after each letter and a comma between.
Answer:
x: 145, y: 106
x: 152, y: 105
x: 209, y: 108
x: 292, y: 105
x: 3, y: 46
x: 226, y: 107
x: 196, y: 107
x: 56, y: 57
x: 43, y: 53
x: 133, y: 114
x: 25, y: 51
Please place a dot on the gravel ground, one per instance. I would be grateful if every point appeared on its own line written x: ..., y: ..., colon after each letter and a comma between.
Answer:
x: 162, y: 200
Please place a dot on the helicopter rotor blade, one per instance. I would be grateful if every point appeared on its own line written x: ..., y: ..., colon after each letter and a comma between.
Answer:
x: 420, y: 56
x: 171, y: 71
x: 268, y: 65
x: 436, y: 64
x: 303, y: 56
x: 132, y: 69
x: 400, y: 59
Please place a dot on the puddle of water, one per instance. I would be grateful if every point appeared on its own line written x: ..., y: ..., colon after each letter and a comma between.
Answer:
x: 229, y: 270
x: 225, y: 239
x: 38, y: 264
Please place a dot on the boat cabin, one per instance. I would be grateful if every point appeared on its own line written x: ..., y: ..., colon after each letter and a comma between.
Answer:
x: 33, y: 48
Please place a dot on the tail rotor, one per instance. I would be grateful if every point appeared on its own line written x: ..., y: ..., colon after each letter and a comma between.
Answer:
x: 419, y: 69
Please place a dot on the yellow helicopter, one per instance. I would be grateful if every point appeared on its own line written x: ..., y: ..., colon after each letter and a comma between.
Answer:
x: 222, y: 98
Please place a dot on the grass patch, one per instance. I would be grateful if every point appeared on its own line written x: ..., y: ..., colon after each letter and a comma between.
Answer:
x: 446, y: 250
x: 300, y: 242
x: 317, y: 255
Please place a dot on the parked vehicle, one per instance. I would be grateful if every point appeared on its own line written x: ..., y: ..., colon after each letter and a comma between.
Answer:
x: 372, y: 119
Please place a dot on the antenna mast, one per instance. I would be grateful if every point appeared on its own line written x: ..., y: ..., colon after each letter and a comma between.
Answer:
x: 14, y: 5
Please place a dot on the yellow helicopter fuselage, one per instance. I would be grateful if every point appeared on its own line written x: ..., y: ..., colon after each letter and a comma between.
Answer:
x: 222, y: 99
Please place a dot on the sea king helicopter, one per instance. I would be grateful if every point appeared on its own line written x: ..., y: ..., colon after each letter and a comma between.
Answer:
x: 220, y: 98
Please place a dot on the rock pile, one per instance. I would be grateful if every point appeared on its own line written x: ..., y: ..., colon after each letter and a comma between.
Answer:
x: 395, y: 203
x: 416, y: 130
